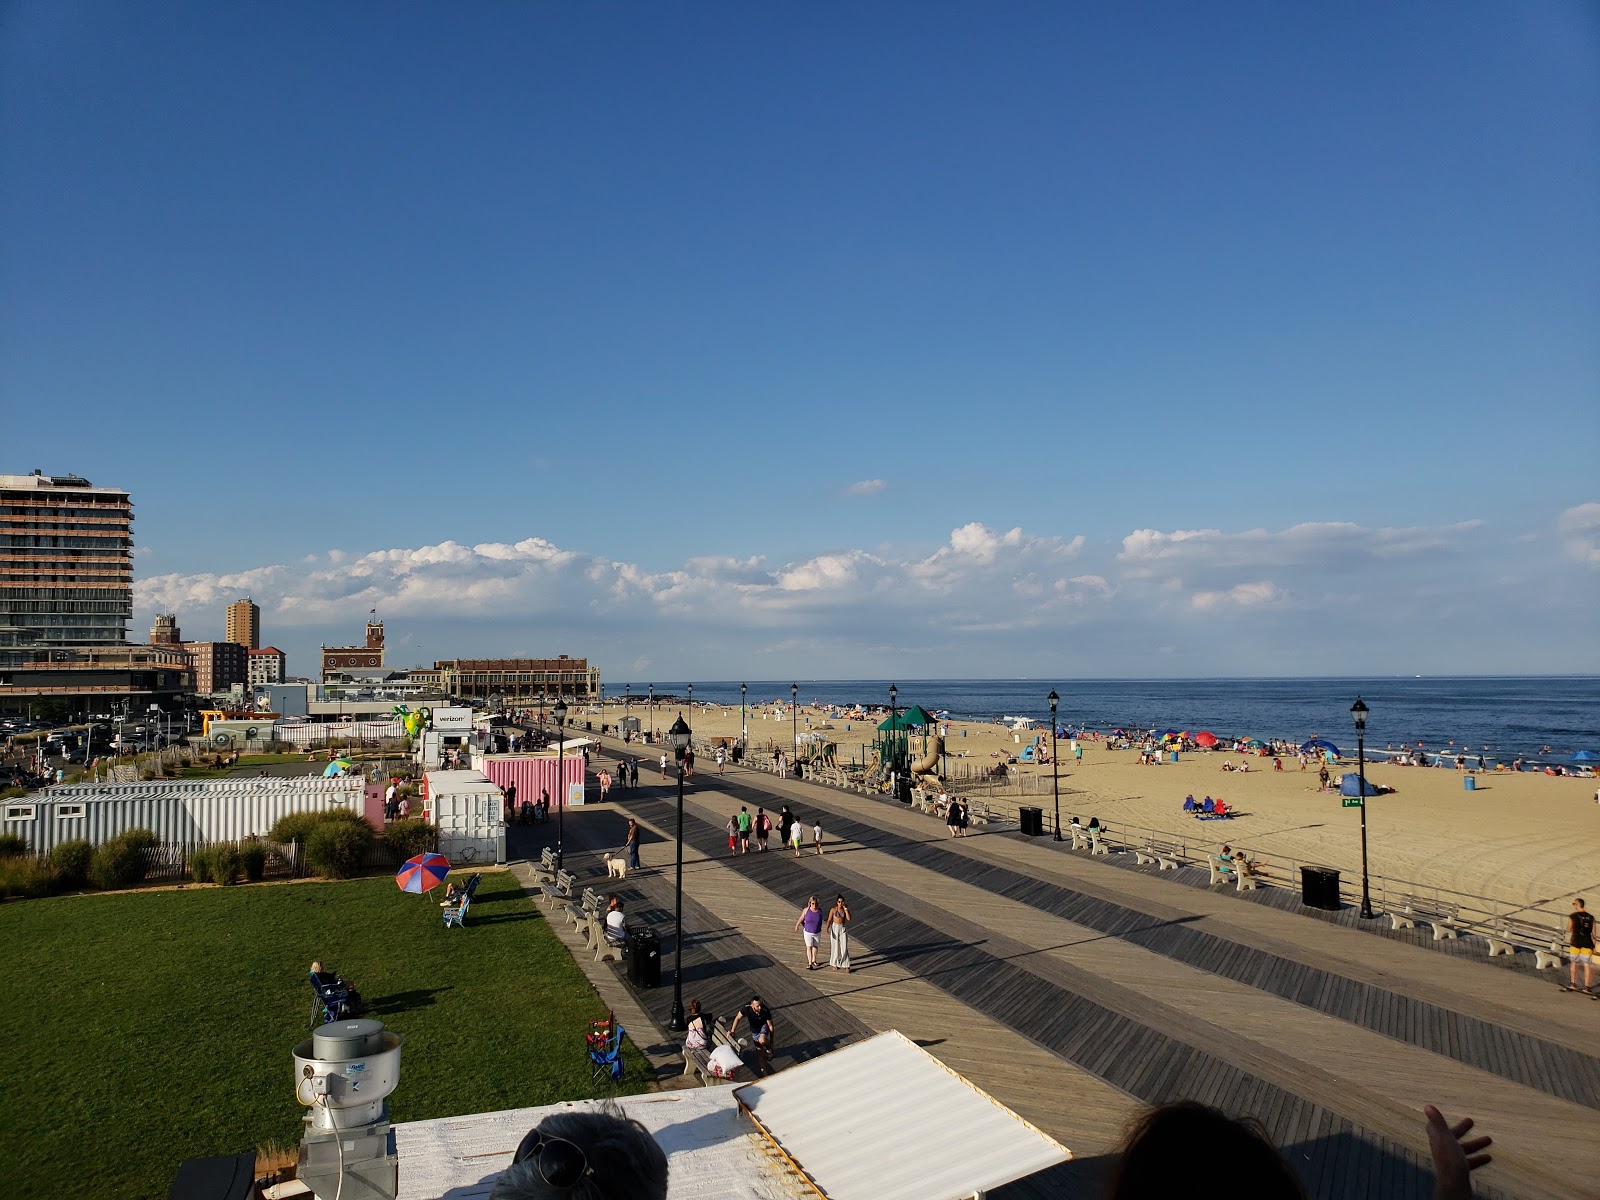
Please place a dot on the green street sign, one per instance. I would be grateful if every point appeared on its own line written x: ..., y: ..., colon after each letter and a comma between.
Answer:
x: 1352, y: 802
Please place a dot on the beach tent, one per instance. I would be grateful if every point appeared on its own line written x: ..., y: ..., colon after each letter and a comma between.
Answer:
x: 1350, y: 785
x: 1316, y: 744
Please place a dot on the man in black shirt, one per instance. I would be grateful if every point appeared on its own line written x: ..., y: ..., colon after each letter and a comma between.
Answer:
x: 759, y: 1018
x: 1580, y: 944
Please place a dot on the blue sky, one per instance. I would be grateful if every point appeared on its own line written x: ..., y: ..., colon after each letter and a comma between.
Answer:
x: 718, y: 340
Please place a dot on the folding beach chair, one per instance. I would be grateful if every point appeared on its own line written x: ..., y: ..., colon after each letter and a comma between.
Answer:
x: 606, y: 1059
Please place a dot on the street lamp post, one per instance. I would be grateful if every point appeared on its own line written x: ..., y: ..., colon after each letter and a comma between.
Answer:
x: 894, y: 736
x: 559, y: 712
x: 794, y: 728
x: 652, y: 712
x: 680, y: 735
x: 1055, y: 765
x: 743, y: 728
x: 1359, y: 710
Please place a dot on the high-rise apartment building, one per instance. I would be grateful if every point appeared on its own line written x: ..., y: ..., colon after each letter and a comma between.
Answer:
x: 217, y: 666
x: 244, y: 624
x: 66, y: 567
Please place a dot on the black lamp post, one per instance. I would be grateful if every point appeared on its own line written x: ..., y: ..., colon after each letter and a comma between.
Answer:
x: 627, y: 701
x: 1358, y: 710
x: 680, y: 736
x: 794, y: 728
x: 652, y: 712
x: 1055, y: 765
x: 559, y: 712
x: 894, y: 736
x: 743, y: 688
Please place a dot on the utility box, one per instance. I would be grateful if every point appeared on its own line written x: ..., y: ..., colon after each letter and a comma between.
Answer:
x: 469, y: 813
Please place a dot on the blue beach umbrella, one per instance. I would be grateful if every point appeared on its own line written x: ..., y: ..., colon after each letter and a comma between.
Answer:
x: 1586, y: 756
x: 1320, y: 744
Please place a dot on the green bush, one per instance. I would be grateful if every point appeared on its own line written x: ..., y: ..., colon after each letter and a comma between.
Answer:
x: 297, y: 827
x: 226, y: 863
x: 119, y: 863
x: 253, y: 857
x: 11, y: 843
x: 410, y: 838
x: 70, y: 860
x: 336, y: 848
x: 25, y: 875
x: 200, y: 864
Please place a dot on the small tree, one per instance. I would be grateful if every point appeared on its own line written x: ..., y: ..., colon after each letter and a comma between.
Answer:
x: 70, y: 860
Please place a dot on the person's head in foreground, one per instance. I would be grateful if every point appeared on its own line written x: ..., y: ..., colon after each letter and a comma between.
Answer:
x: 1171, y: 1147
x: 599, y: 1155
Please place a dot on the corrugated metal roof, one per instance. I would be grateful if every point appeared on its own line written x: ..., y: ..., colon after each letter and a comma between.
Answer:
x: 884, y: 1119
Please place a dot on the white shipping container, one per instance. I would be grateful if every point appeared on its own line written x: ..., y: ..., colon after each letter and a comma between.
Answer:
x: 183, y: 812
x: 468, y: 812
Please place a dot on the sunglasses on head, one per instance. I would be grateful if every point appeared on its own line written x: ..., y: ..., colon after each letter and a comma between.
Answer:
x: 561, y: 1163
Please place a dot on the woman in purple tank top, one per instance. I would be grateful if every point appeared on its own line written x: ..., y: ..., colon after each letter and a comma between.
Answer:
x: 810, y: 923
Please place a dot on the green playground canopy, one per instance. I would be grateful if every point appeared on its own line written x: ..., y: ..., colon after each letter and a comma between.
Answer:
x: 914, y: 717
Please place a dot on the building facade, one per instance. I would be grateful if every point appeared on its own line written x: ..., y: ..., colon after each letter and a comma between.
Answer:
x: 217, y: 666
x: 164, y: 630
x: 520, y: 679
x: 66, y: 567
x: 266, y: 665
x: 244, y: 624
x: 338, y: 660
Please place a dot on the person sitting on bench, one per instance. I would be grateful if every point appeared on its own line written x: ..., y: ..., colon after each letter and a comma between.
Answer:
x: 616, y: 923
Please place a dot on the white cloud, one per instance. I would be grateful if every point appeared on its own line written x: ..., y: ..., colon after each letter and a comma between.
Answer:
x: 1327, y: 543
x: 1243, y: 595
x: 866, y: 487
x: 1580, y: 529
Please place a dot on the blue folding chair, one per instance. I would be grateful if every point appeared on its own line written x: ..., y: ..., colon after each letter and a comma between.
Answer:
x: 606, y: 1059
x: 456, y: 914
x: 332, y: 1002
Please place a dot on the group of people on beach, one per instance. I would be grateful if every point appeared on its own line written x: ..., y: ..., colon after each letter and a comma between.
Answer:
x: 742, y: 827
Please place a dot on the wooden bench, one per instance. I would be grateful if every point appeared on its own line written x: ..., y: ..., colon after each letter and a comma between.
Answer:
x: 1442, y: 917
x: 698, y: 1062
x: 589, y: 905
x: 545, y: 872
x: 595, y: 936
x: 1507, y: 935
x: 560, y: 889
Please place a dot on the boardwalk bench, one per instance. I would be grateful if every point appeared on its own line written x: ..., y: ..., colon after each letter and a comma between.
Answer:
x: 560, y: 889
x: 1098, y: 845
x: 1162, y: 856
x: 1507, y: 935
x: 589, y: 905
x: 1220, y: 872
x: 1442, y: 917
x: 698, y: 1062
x: 595, y: 936
x: 545, y: 872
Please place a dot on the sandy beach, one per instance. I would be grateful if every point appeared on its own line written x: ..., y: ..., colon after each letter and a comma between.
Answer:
x: 1519, y: 837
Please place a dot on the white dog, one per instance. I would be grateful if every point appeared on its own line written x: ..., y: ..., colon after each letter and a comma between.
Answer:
x: 616, y: 868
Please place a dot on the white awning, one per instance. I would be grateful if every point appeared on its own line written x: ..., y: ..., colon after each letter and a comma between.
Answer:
x: 883, y: 1120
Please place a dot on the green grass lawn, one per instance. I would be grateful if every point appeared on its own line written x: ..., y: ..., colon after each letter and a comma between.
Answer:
x: 150, y: 1027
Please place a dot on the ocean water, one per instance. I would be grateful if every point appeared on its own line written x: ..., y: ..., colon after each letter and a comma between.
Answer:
x: 1545, y: 719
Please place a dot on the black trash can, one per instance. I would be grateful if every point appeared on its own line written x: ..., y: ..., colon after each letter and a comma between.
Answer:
x: 902, y: 788
x: 644, y: 958
x: 1032, y: 821
x: 1319, y: 888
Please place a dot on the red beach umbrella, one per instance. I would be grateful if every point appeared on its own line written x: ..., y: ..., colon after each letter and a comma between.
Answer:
x: 422, y: 873
x: 1205, y: 738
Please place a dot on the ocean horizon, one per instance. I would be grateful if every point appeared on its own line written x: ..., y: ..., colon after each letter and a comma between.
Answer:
x: 1537, y: 717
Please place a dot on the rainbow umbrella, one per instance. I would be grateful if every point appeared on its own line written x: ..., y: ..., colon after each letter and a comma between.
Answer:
x: 422, y: 873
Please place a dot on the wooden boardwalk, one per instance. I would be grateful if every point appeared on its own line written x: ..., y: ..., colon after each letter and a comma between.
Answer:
x: 1077, y: 991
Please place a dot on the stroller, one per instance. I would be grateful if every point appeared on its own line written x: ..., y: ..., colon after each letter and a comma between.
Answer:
x: 335, y: 999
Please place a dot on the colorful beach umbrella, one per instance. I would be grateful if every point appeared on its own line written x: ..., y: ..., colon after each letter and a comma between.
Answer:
x: 1586, y: 756
x: 422, y: 873
x: 1321, y: 744
x: 1205, y: 738
x: 1253, y: 744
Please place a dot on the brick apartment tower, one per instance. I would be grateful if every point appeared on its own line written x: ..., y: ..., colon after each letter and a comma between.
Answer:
x: 244, y: 624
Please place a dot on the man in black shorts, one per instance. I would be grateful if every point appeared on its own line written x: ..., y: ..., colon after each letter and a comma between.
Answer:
x: 759, y: 1018
x: 1580, y: 945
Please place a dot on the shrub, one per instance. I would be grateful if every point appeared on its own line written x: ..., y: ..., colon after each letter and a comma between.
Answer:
x: 70, y: 859
x: 336, y: 848
x: 200, y: 864
x: 410, y: 838
x: 25, y: 875
x: 253, y: 857
x: 297, y: 826
x: 11, y: 843
x: 226, y: 863
x: 120, y: 862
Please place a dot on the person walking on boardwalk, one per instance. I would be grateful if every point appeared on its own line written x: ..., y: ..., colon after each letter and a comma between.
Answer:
x: 809, y: 925
x: 743, y: 819
x: 816, y: 832
x: 631, y: 845
x: 762, y: 1032
x: 763, y: 828
x: 785, y: 821
x: 839, y: 936
x: 1580, y: 945
x: 796, y: 833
